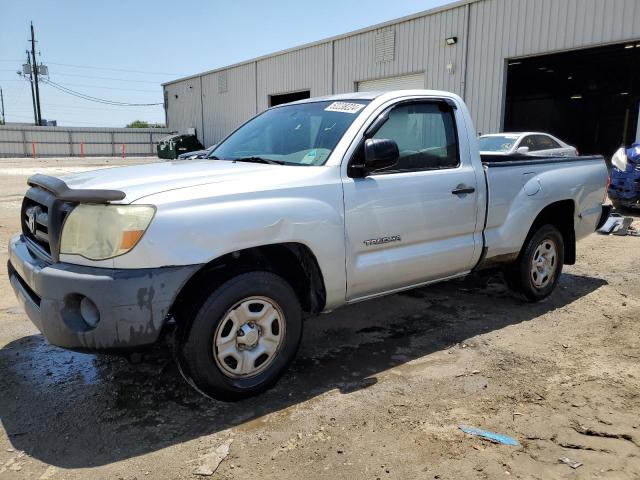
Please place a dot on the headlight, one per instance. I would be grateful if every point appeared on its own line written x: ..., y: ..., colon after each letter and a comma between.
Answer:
x: 98, y: 232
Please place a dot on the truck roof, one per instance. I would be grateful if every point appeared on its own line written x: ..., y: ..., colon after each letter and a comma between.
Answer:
x: 372, y: 95
x: 514, y: 134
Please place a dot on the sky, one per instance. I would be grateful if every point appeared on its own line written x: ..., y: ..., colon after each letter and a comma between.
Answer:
x: 124, y: 50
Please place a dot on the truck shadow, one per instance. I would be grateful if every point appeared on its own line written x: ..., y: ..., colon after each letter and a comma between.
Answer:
x: 75, y: 410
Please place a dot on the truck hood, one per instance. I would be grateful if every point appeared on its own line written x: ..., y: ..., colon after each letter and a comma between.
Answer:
x: 143, y: 180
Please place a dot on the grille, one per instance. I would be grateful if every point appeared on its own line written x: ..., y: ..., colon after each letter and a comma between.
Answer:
x: 35, y: 223
x: 42, y: 216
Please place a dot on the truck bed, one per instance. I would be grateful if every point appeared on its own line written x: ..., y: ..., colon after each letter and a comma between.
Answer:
x: 519, y: 187
x: 518, y: 159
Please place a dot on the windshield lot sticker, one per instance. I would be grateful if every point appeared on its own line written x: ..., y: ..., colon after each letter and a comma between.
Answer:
x: 344, y: 107
x: 309, y: 158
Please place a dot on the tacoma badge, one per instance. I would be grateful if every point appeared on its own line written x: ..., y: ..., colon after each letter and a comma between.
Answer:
x: 381, y: 240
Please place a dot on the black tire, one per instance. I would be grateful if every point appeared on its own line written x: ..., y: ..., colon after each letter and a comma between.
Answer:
x: 195, y: 348
x: 519, y: 275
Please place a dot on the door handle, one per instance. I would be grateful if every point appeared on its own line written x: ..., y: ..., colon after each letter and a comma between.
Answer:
x: 462, y: 189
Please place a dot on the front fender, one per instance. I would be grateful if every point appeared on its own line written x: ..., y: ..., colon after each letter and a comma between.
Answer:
x: 199, y: 230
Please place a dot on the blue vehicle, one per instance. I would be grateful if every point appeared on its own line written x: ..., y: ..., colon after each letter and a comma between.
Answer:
x: 624, y: 185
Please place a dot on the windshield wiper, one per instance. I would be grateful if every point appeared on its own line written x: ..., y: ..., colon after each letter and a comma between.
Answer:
x: 259, y: 160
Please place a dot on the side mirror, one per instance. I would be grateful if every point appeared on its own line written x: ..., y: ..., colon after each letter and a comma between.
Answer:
x: 522, y: 150
x: 380, y: 153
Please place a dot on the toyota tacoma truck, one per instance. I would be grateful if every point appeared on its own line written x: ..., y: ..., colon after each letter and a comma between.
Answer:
x: 306, y: 207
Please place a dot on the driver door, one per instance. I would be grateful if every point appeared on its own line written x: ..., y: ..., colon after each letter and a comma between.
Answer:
x: 405, y: 225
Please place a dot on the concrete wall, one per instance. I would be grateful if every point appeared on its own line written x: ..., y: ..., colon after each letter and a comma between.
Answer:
x: 22, y: 141
x: 489, y: 33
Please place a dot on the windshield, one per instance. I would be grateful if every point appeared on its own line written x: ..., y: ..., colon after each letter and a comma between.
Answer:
x: 299, y: 134
x: 497, y: 143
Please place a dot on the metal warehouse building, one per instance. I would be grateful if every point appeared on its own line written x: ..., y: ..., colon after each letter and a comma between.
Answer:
x: 569, y: 67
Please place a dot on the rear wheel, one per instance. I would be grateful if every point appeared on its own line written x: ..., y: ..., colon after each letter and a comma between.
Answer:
x: 538, y: 268
x: 242, y: 338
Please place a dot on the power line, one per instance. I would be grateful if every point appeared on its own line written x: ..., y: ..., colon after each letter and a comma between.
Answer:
x: 57, y: 106
x: 87, y: 67
x: 92, y: 77
x: 109, y: 88
x: 96, y: 99
x: 105, y: 78
x: 111, y: 69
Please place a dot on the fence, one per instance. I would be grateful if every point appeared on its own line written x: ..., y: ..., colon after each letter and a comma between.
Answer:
x: 28, y: 141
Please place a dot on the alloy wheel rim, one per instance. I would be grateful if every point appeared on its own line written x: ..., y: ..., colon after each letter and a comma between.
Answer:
x: 249, y: 337
x: 543, y: 263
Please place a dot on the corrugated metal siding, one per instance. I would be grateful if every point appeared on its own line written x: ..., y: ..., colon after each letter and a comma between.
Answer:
x: 419, y: 47
x: 184, y: 106
x: 503, y: 29
x: 73, y: 141
x: 306, y: 69
x: 225, y: 110
x: 402, y: 82
x: 497, y: 30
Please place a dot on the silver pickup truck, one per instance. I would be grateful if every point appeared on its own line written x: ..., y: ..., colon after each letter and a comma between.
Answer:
x: 304, y: 208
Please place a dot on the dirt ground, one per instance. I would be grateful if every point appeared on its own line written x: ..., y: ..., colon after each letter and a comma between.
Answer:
x: 377, y: 392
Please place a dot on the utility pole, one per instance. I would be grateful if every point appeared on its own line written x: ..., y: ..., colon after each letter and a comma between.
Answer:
x: 35, y: 75
x: 29, y: 70
x: 2, y: 107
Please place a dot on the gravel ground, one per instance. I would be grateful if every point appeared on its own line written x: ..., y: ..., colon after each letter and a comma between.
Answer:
x: 377, y: 392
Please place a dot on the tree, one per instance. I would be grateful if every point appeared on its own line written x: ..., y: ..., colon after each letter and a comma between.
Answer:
x: 138, y: 124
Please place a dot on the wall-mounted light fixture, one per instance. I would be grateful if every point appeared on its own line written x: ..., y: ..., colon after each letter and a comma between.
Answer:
x: 450, y: 68
x: 451, y: 41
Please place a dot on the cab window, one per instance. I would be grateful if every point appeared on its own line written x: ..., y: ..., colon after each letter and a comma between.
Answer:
x: 426, y: 136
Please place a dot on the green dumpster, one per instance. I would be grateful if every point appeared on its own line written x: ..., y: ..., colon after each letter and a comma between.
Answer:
x: 173, y: 145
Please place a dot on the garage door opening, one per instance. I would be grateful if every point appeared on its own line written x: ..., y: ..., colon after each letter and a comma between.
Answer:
x: 288, y: 97
x: 588, y: 98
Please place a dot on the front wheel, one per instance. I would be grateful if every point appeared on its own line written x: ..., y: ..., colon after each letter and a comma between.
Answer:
x: 536, y: 271
x: 242, y: 338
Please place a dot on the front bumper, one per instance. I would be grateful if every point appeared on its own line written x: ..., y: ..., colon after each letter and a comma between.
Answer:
x: 132, y: 304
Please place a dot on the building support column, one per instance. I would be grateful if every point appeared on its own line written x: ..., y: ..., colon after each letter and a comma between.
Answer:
x: 638, y: 125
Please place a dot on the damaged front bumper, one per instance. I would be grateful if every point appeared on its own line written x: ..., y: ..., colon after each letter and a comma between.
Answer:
x: 93, y: 308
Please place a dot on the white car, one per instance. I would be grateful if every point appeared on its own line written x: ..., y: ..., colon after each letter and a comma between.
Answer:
x: 525, y: 143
